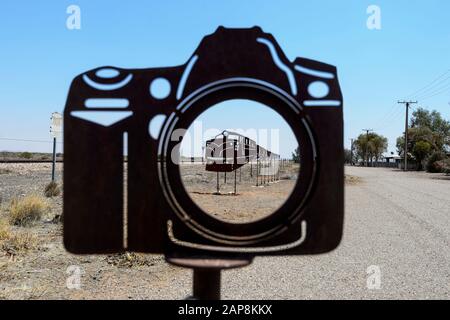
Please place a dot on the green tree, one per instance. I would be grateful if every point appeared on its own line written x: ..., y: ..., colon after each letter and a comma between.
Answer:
x: 369, y: 147
x: 420, y: 151
x: 296, y: 155
x: 348, y: 156
x: 429, y: 133
x: 25, y: 155
x: 439, y: 127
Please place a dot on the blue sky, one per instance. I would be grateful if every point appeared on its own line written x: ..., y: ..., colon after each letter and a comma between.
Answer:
x: 39, y: 56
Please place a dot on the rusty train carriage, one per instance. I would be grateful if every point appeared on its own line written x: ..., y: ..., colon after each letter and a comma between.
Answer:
x: 229, y: 151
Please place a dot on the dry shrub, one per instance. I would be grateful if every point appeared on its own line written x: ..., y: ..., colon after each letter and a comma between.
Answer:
x: 5, y: 231
x: 15, y: 242
x: 131, y: 259
x: 24, y: 211
x: 20, y: 241
x: 352, y: 180
x: 52, y: 190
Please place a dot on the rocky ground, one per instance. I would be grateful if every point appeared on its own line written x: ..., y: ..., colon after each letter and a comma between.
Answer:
x: 397, y: 224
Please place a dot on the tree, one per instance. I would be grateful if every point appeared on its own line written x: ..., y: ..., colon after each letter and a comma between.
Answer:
x: 25, y: 155
x: 369, y: 147
x: 348, y: 156
x: 420, y: 151
x: 379, y: 145
x: 429, y: 133
x: 439, y: 127
x: 296, y: 155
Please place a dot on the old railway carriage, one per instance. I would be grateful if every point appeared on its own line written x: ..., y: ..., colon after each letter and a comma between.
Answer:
x: 229, y: 151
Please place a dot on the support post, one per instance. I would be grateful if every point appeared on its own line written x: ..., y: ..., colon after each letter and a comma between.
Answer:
x: 207, y: 273
x: 218, y: 189
x: 235, y: 181
x: 257, y: 171
x: 54, y: 159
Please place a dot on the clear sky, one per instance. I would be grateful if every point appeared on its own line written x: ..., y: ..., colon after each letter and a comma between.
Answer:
x: 258, y: 122
x: 39, y: 56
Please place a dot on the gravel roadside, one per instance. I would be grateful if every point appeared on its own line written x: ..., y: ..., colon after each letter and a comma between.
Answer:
x: 398, y: 222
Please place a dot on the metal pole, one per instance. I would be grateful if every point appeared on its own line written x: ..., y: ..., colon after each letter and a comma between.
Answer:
x: 225, y: 179
x: 270, y: 166
x: 406, y: 137
x: 257, y: 172
x: 235, y: 181
x: 240, y: 174
x: 218, y: 190
x: 206, y: 284
x: 278, y: 170
x: 54, y: 159
x: 272, y: 169
x: 207, y: 273
x: 264, y: 174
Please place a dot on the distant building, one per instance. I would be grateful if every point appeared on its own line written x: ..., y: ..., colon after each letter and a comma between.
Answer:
x: 391, y: 158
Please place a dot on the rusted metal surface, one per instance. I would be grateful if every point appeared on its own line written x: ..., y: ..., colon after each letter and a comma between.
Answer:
x: 229, y: 151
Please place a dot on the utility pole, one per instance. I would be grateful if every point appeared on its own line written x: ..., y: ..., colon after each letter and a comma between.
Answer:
x: 367, y: 145
x: 406, y: 103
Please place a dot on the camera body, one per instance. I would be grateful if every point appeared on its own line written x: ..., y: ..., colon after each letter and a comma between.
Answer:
x: 112, y: 205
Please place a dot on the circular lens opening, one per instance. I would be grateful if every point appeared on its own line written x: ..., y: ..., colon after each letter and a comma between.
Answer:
x: 239, y: 161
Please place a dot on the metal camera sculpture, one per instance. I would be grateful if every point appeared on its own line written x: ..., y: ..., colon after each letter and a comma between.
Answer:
x: 158, y: 216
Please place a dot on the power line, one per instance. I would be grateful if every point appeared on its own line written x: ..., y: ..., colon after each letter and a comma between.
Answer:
x: 29, y: 140
x: 437, y: 92
x: 436, y: 87
x: 387, y: 115
x: 430, y: 85
x: 389, y: 120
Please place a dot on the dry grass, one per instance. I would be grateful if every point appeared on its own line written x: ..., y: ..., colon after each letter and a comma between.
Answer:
x: 14, y: 242
x: 20, y: 241
x: 352, y: 180
x: 24, y: 211
x: 5, y: 230
x: 131, y: 259
x: 52, y: 190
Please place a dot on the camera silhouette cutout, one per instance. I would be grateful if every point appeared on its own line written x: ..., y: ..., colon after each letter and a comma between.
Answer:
x: 137, y: 202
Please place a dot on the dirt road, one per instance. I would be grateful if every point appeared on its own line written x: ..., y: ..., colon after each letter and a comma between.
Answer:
x: 396, y: 223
